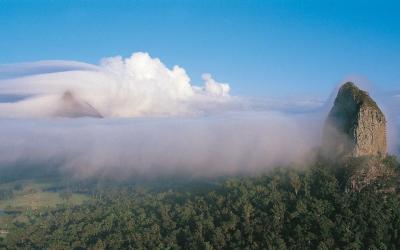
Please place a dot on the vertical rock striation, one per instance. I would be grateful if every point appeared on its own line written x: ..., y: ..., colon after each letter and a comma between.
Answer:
x: 355, y: 125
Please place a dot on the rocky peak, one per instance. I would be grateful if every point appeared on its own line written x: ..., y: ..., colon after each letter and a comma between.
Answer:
x: 355, y: 125
x: 71, y: 106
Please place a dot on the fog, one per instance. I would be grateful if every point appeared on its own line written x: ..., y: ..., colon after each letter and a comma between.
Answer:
x: 201, y: 146
x: 136, y: 117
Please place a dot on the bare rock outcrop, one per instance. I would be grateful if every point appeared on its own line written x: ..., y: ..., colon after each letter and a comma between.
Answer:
x: 355, y: 137
x: 355, y: 125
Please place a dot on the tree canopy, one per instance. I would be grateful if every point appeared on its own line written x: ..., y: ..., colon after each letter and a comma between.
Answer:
x: 284, y: 209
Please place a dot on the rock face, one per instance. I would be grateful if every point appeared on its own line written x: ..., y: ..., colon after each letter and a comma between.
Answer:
x: 355, y: 125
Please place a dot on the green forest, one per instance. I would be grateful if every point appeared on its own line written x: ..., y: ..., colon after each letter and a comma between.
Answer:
x: 285, y: 208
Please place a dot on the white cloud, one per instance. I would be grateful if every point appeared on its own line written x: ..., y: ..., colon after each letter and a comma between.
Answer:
x: 215, y: 88
x: 132, y: 87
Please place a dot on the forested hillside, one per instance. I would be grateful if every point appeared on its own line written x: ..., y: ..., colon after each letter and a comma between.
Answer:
x: 308, y: 208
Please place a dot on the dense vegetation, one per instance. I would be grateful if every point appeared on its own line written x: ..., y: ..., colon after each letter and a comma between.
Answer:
x: 284, y: 209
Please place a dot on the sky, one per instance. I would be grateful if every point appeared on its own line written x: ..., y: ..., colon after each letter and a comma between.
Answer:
x: 261, y: 48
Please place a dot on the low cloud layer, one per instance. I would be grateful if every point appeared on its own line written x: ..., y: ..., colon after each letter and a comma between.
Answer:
x: 155, y: 121
x: 200, y: 146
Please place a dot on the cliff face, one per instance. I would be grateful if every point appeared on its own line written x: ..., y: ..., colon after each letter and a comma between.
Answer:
x: 355, y: 125
x: 370, y: 134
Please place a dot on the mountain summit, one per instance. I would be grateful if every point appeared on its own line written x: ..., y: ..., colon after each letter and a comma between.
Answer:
x: 355, y: 125
x: 71, y: 106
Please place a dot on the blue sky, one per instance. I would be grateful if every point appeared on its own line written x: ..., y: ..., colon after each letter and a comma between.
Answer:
x: 261, y: 48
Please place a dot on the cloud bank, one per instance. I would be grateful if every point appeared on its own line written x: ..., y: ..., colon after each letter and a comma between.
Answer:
x: 137, y: 86
x: 198, y: 146
x: 155, y: 121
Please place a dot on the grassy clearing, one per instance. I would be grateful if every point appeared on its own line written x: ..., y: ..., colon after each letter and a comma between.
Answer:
x: 31, y: 194
x: 40, y: 199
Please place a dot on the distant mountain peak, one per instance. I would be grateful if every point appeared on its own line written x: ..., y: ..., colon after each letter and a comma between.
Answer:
x: 72, y: 106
